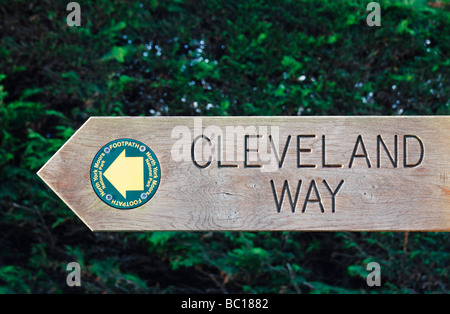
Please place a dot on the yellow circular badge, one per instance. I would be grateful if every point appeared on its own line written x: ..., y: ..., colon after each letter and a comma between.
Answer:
x: 125, y: 173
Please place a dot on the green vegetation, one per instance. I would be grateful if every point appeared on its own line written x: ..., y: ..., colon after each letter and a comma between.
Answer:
x: 208, y: 57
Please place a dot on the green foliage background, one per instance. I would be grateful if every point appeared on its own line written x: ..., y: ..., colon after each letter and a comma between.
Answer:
x: 208, y: 57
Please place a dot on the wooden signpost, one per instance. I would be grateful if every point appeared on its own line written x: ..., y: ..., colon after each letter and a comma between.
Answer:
x: 257, y: 173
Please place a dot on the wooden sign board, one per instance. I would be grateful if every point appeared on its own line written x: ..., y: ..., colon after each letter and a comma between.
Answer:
x: 257, y: 173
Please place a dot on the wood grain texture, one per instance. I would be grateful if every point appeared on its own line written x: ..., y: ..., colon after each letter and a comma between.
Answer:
x: 242, y: 198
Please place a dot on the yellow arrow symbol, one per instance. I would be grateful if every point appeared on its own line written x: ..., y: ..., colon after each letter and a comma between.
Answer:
x: 126, y: 174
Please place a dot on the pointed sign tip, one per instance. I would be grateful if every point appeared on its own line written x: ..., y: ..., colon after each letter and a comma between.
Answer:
x: 41, y: 174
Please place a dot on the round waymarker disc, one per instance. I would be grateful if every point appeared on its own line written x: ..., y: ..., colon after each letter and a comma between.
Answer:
x: 125, y: 173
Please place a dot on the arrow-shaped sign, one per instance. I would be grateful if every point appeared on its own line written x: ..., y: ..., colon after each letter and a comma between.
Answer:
x: 126, y: 174
x: 257, y: 173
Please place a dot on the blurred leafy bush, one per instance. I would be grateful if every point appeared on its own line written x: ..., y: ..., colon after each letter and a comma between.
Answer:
x: 208, y: 57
